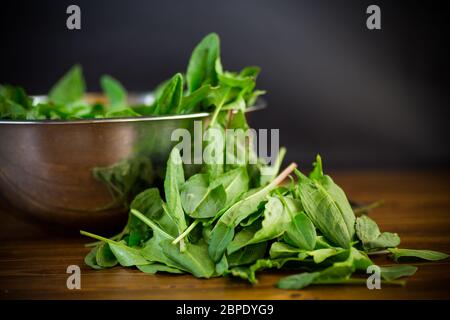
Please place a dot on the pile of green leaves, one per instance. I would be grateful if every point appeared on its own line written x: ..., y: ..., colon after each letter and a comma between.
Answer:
x: 205, y: 82
x: 233, y: 221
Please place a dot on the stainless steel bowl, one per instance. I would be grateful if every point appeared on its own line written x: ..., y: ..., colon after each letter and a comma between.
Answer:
x: 47, y: 167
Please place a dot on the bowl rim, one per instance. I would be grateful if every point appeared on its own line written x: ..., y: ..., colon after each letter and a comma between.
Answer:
x: 259, y: 105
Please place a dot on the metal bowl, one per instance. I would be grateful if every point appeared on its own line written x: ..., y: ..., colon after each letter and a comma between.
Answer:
x: 47, y: 167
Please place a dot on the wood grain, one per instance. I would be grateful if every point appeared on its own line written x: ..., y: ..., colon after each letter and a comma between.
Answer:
x: 33, y: 264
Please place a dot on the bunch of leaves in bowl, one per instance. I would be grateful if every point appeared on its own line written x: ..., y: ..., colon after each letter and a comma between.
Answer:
x: 204, y: 82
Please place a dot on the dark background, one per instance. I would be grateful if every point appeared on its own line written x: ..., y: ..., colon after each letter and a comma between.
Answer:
x: 361, y: 98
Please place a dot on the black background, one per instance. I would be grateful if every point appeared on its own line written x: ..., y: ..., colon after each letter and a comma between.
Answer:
x: 361, y: 98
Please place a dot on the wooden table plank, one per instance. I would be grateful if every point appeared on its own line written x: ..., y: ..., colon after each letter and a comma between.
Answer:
x: 33, y: 264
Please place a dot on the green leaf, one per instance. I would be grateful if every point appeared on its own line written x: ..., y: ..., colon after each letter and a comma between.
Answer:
x: 303, y: 280
x: 262, y: 264
x: 420, y: 254
x: 384, y: 240
x: 243, y: 237
x: 17, y: 95
x: 222, y: 266
x: 91, y: 260
x: 150, y: 204
x: 321, y: 255
x: 221, y: 236
x: 170, y: 100
x: 317, y: 172
x: 341, y: 201
x: 202, y: 64
x: 328, y: 208
x: 283, y: 250
x: 366, y: 229
x: 237, y: 104
x: 195, y: 259
x: 104, y: 256
x: 339, y: 272
x: 153, y: 252
x: 242, y: 272
x: 125, y: 255
x: 361, y: 260
x: 11, y: 110
x: 70, y: 88
x: 254, y: 216
x: 368, y: 232
x: 115, y: 93
x: 213, y: 153
x: 249, y: 273
x: 395, y: 272
x: 199, y: 200
x: 192, y: 102
x: 223, y: 232
x: 235, y: 183
x: 301, y: 232
x: 172, y: 184
x: 297, y: 281
x: 157, y: 230
x: 247, y: 255
x: 276, y: 221
x: 322, y: 243
x: 157, y: 267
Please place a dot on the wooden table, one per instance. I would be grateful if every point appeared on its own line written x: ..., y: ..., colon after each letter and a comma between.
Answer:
x: 33, y: 264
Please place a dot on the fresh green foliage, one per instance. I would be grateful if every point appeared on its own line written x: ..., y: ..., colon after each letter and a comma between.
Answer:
x: 301, y: 232
x: 199, y: 200
x: 104, y: 256
x: 114, y: 91
x: 69, y: 89
x: 124, y: 254
x: 91, y: 259
x: 223, y: 232
x: 14, y: 102
x: 395, y: 272
x: 371, y: 237
x: 170, y: 99
x: 230, y: 218
x: 298, y: 281
x: 418, y: 254
x: 201, y: 69
x: 172, y: 185
x: 328, y: 208
x: 204, y: 87
x: 219, y: 227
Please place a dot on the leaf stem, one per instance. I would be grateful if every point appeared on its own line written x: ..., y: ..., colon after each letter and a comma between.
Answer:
x: 283, y: 175
x: 218, y: 108
x: 380, y: 252
x: 151, y: 224
x: 186, y: 232
x: 115, y: 238
x: 94, y: 236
